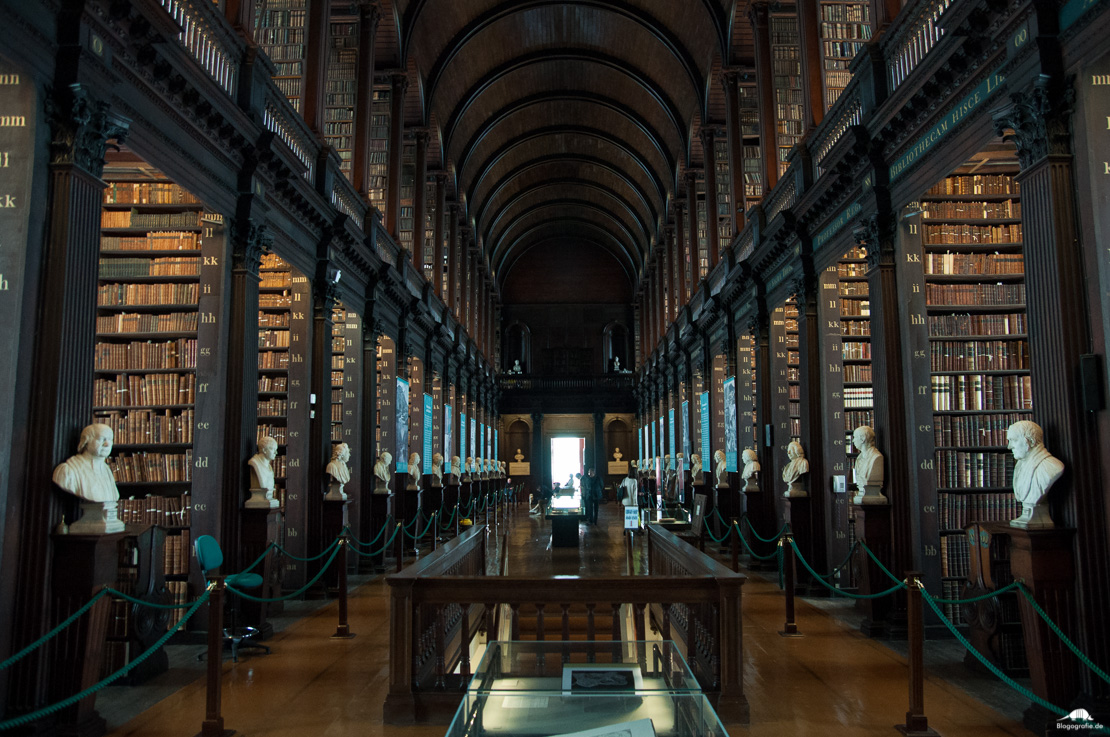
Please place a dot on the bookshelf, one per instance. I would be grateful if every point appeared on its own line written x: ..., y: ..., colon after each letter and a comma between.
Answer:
x: 724, y: 196
x: 967, y: 325
x: 338, y: 365
x: 340, y: 92
x: 279, y: 28
x: 752, y: 158
x: 793, y: 368
x: 379, y: 146
x: 429, y: 242
x: 275, y: 304
x: 748, y: 435
x: 405, y: 227
x: 786, y: 71
x: 845, y: 26
x: 701, y: 267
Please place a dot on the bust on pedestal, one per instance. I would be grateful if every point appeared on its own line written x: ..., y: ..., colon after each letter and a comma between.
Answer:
x: 1035, y: 472
x: 720, y: 473
x: 467, y: 469
x: 695, y: 470
x: 456, y: 472
x: 519, y: 457
x: 437, y: 471
x: 382, y: 473
x: 262, y: 475
x: 414, y: 473
x: 795, y: 470
x: 750, y: 474
x: 868, y: 470
x: 88, y: 477
x: 339, y: 475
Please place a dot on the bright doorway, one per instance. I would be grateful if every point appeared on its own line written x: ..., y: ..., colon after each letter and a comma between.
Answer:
x: 567, y: 459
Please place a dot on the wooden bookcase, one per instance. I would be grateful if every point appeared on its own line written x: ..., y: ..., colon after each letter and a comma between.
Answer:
x: 279, y: 28
x: 701, y: 265
x: 845, y: 26
x: 340, y: 95
x: 406, y: 226
x: 793, y: 368
x: 723, y: 196
x: 967, y: 326
x: 786, y: 70
x: 379, y: 146
x: 275, y: 305
x: 752, y: 158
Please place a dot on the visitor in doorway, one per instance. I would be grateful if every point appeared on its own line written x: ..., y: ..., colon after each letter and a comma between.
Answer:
x: 628, y: 491
x: 591, y: 495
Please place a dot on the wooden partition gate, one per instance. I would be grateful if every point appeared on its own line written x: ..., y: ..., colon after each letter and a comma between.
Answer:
x: 438, y: 606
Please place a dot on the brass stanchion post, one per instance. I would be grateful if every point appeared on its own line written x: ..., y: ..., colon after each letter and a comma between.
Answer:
x: 734, y: 530
x: 399, y: 546
x: 342, y: 630
x: 790, y: 628
x: 917, y: 724
x: 213, y: 724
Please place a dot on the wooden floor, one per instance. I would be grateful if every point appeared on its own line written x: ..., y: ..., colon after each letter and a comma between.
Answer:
x: 832, y: 681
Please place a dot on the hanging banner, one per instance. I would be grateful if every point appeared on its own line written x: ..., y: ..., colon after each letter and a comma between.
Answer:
x: 729, y: 398
x: 671, y: 449
x: 448, y: 437
x: 402, y: 455
x: 706, y: 452
x: 462, y: 436
x: 429, y: 413
x: 686, y: 450
x: 474, y: 437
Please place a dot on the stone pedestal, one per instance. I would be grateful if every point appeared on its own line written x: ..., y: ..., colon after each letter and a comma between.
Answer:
x: 799, y: 515
x: 260, y: 528
x: 873, y: 526
x: 97, y: 518
x: 1044, y: 560
x: 336, y: 517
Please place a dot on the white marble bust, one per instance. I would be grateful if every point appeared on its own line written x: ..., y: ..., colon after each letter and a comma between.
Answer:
x: 88, y: 477
x: 262, y: 475
x: 795, y: 470
x: 750, y: 474
x: 338, y: 473
x: 456, y: 470
x: 617, y: 455
x: 437, y: 470
x: 1035, y: 472
x: 868, y: 469
x: 382, y: 473
x: 414, y: 472
x: 720, y: 474
x: 519, y: 457
x: 468, y: 468
x: 695, y: 468
x: 516, y: 369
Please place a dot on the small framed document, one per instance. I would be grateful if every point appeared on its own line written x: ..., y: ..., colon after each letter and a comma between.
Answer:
x: 602, y: 678
x: 631, y: 518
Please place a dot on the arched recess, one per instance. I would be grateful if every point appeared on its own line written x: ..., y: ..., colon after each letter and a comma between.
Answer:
x: 519, y: 437
x: 618, y: 435
x: 616, y: 347
x: 517, y: 347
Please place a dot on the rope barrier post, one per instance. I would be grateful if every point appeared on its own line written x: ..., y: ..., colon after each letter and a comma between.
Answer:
x: 399, y: 546
x: 628, y: 550
x: 342, y: 630
x: 790, y: 628
x: 213, y: 724
x: 917, y: 725
x: 734, y: 531
x: 435, y: 529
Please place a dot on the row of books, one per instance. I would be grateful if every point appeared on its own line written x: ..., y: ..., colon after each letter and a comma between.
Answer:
x: 951, y: 590
x: 974, y: 263
x: 272, y: 383
x: 973, y: 210
x: 852, y: 289
x: 133, y: 322
x: 337, y: 378
x: 957, y: 511
x: 841, y: 49
x: 857, y: 372
x: 338, y: 342
x: 272, y: 261
x: 338, y: 361
x: 273, y: 360
x: 148, y: 426
x: 858, y: 418
x: 955, y: 556
x: 179, y: 592
x: 965, y: 469
x: 276, y: 280
x: 273, y: 338
x: 978, y: 355
x: 151, y: 467
x: 273, y: 407
x: 167, y: 511
x: 147, y: 193
x: 275, y: 301
x: 135, y: 219
x: 956, y: 233
x: 273, y: 319
x: 855, y: 308
x: 846, y: 12
x: 855, y: 327
x: 124, y: 295
x: 851, y: 271
x: 976, y: 184
x: 177, y: 552
x: 966, y: 392
x: 855, y: 351
x: 845, y: 30
x: 858, y: 397
x: 974, y: 295
x: 281, y: 43
x: 180, y: 353
x: 166, y: 240
x: 117, y: 268
x: 944, y: 326
x: 277, y: 432
x: 144, y: 390
x: 288, y: 68
x: 337, y: 413
x: 974, y: 430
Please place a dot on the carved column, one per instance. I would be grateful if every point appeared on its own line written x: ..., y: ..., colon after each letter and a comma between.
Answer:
x: 396, y: 145
x: 369, y: 16
x: 420, y: 200
x: 1056, y: 289
x: 325, y: 295
x: 813, y: 78
x: 760, y: 16
x: 314, y: 85
x: 761, y: 508
x: 371, y: 511
x: 730, y: 80
x: 682, y: 251
x: 438, y: 220
x: 667, y: 264
x: 709, y: 157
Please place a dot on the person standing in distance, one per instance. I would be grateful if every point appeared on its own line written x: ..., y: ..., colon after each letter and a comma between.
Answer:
x: 591, y: 495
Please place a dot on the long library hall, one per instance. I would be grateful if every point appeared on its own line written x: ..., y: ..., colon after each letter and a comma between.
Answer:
x: 600, y: 365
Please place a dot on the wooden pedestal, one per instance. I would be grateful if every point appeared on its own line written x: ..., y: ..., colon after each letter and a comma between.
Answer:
x: 873, y: 526
x: 260, y: 528
x: 378, y: 515
x: 336, y: 517
x: 759, y: 509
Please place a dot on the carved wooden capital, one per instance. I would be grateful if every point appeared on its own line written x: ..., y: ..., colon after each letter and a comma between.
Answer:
x: 81, y: 128
x: 249, y: 241
x: 1039, y: 119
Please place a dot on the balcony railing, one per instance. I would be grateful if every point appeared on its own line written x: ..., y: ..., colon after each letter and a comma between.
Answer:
x: 600, y: 383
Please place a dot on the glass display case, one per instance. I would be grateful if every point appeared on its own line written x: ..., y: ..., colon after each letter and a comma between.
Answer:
x: 571, y: 688
x: 673, y: 517
x: 565, y: 512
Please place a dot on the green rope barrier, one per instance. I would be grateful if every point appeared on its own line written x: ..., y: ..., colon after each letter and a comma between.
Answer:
x: 298, y: 592
x: 879, y: 563
x: 314, y: 557
x: 451, y: 519
x: 714, y: 538
x: 47, y: 710
x: 843, y: 563
x: 776, y: 536
x: 42, y: 640
x: 431, y: 521
x: 756, y: 555
x: 381, y: 532
x: 150, y: 604
x: 1071, y: 646
x: 384, y: 547
x: 974, y: 599
x: 259, y: 559
x: 840, y: 592
x: 982, y: 659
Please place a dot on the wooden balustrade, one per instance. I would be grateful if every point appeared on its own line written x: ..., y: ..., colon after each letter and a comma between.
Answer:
x: 439, y: 604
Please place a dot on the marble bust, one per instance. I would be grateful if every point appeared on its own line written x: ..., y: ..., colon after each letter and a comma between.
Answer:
x: 868, y: 469
x: 1035, y: 471
x: 88, y: 477
x: 720, y: 474
x: 262, y: 475
x: 414, y: 473
x: 617, y: 455
x: 695, y: 468
x: 456, y: 471
x: 382, y: 473
x: 516, y: 369
x: 338, y: 473
x: 519, y: 457
x: 795, y: 470
x: 468, y: 468
x: 750, y: 474
x: 437, y: 470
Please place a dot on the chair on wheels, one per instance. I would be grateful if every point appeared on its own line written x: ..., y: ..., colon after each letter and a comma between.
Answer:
x: 209, y: 558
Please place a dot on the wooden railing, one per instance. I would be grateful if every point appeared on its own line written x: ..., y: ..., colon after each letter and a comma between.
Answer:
x: 436, y: 609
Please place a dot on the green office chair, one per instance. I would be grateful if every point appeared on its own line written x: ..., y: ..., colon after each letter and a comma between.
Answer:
x: 209, y: 558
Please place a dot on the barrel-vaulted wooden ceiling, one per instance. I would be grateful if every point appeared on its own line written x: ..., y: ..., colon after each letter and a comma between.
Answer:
x: 564, y: 119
